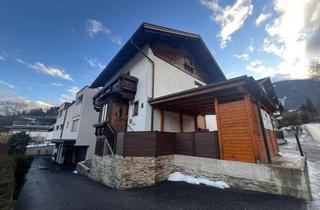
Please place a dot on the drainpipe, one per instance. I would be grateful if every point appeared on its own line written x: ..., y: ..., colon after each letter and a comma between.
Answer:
x: 152, y: 64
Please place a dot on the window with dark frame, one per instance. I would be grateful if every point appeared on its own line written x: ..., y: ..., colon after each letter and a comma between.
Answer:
x: 188, y: 64
x: 135, y: 108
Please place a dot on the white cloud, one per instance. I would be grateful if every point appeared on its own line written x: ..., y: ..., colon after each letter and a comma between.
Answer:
x: 257, y: 67
x: 52, y: 71
x: 94, y: 27
x: 94, y: 62
x: 294, y: 36
x: 2, y: 57
x: 243, y: 56
x: 2, y: 82
x: 251, y: 47
x: 11, y: 102
x: 262, y: 18
x: 56, y: 84
x: 230, y: 18
x: 71, y: 94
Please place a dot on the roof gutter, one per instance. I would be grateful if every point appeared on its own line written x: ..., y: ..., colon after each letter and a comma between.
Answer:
x: 152, y: 71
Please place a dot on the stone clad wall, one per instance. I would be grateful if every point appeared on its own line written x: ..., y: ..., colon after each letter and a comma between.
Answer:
x: 133, y: 172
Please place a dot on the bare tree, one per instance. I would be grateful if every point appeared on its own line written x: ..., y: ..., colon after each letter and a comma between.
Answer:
x: 314, y: 68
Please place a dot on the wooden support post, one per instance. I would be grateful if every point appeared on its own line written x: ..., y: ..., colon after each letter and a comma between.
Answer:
x: 195, y: 124
x: 216, y: 109
x: 264, y: 134
x: 251, y: 125
x: 161, y: 120
x: 181, y: 122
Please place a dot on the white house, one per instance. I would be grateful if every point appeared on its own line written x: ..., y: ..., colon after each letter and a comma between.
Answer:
x: 73, y: 133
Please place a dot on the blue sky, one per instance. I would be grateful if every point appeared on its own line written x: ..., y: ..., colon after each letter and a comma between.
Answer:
x: 51, y: 49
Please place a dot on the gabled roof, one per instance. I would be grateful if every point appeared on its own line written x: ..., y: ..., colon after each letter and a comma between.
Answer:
x: 148, y: 34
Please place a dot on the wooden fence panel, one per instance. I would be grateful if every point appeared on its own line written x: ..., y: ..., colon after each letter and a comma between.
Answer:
x: 166, y: 143
x: 184, y: 144
x: 206, y: 145
x: 139, y: 144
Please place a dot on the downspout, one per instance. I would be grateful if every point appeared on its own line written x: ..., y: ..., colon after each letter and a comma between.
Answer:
x: 152, y: 64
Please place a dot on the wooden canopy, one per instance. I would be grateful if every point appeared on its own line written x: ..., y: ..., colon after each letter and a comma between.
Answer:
x: 200, y: 101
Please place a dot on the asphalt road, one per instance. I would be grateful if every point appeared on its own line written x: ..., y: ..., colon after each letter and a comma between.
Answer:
x: 58, y: 188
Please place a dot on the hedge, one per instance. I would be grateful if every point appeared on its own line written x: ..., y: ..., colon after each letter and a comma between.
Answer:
x: 7, y: 171
x: 23, y: 163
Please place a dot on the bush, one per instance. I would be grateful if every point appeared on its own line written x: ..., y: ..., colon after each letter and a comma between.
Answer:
x: 7, y: 168
x: 23, y: 163
x: 18, y: 143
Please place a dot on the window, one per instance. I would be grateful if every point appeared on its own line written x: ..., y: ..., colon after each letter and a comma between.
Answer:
x: 60, y: 113
x: 118, y: 111
x: 77, y: 109
x: 74, y: 126
x: 67, y: 124
x: 57, y: 127
x: 188, y: 64
x: 103, y: 113
x: 135, y: 108
x: 61, y: 126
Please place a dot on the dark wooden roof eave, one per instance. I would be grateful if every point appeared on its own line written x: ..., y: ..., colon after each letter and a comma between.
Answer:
x: 201, y: 100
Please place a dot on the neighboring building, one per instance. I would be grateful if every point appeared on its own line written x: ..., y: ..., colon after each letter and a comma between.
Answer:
x: 73, y: 132
x: 38, y: 128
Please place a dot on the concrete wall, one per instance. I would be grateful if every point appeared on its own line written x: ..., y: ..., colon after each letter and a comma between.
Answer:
x: 288, y: 178
x: 40, y: 150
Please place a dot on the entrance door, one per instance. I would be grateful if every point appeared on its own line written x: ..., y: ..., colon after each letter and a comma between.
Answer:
x: 118, y: 115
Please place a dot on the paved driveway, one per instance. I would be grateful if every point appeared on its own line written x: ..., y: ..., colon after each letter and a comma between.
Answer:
x: 58, y: 188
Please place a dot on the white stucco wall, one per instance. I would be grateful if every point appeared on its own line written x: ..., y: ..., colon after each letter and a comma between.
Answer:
x: 211, y: 122
x: 56, y: 133
x: 140, y: 68
x: 67, y: 133
x: 89, y: 117
x: 167, y: 80
x: 188, y: 123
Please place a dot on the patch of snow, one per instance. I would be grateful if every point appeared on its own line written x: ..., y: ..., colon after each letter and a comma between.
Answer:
x: 75, y: 172
x: 179, y: 177
x: 39, y: 145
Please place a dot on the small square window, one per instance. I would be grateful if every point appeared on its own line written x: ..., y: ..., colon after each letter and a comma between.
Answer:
x: 135, y: 108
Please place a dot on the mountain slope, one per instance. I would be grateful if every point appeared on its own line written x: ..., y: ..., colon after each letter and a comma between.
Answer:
x: 295, y: 91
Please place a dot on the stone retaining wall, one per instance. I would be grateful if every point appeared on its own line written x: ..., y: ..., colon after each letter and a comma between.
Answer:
x: 133, y: 172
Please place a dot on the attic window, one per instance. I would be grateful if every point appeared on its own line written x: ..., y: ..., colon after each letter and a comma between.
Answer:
x: 188, y: 64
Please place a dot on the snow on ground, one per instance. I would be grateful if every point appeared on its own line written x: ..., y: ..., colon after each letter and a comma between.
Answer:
x: 180, y: 177
x: 75, y: 172
x: 39, y: 145
x: 314, y: 130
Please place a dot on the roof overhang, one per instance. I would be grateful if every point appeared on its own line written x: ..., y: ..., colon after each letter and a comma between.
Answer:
x: 200, y: 101
x: 149, y: 34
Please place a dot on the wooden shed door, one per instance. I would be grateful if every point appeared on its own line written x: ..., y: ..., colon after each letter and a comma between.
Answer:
x: 118, y: 115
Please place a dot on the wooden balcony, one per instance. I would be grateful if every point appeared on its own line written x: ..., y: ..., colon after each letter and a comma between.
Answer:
x: 124, y: 87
